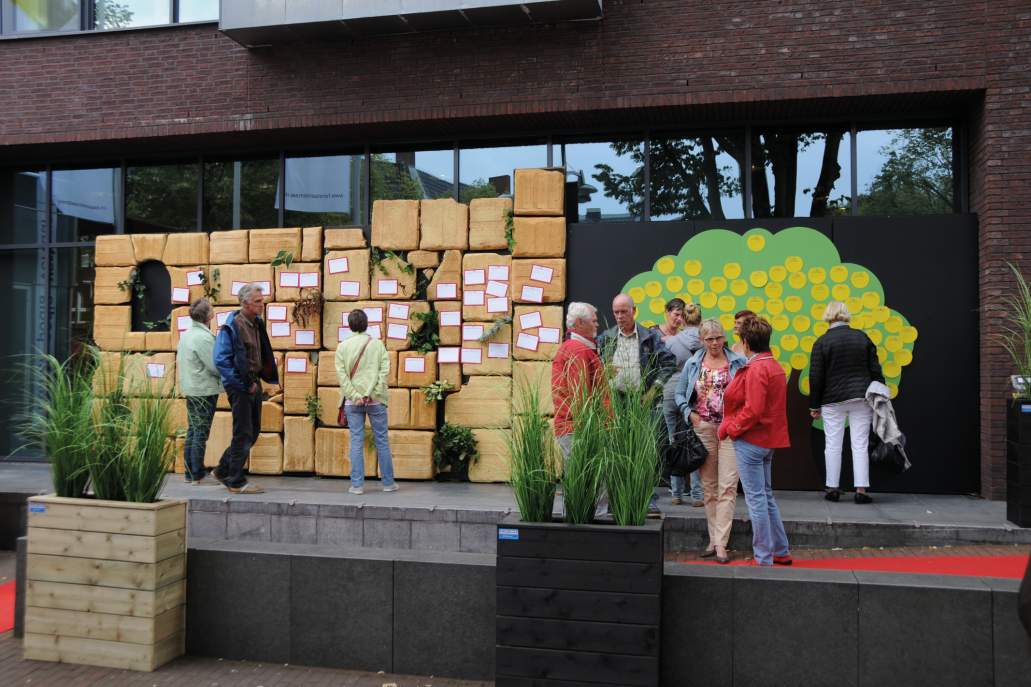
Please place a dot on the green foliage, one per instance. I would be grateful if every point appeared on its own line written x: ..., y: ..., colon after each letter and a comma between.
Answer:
x: 284, y: 258
x: 916, y: 177
x: 148, y: 452
x: 437, y: 390
x: 313, y: 407
x: 162, y: 325
x: 1016, y: 337
x: 377, y: 256
x: 212, y: 285
x: 394, y: 180
x: 533, y: 459
x: 632, y: 456
x: 510, y: 230
x: 454, y: 448
x: 481, y: 188
x: 427, y: 337
x: 585, y: 466
x: 497, y: 326
x: 134, y: 284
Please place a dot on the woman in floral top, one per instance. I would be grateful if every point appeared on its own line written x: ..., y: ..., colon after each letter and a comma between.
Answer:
x: 699, y: 397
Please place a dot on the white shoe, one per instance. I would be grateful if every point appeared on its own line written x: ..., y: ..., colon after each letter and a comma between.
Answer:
x: 392, y: 487
x: 357, y: 491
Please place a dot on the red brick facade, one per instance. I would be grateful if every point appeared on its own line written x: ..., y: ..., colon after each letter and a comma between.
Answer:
x: 659, y: 62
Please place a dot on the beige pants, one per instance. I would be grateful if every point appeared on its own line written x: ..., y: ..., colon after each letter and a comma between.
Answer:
x: 719, y: 483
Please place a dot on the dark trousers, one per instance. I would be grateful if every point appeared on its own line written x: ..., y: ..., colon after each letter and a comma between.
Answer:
x: 200, y: 411
x: 246, y: 425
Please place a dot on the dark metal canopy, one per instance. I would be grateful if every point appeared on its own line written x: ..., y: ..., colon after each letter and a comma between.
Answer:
x: 269, y: 22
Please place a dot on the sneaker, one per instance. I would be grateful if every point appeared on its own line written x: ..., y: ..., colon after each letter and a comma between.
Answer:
x: 783, y: 560
x: 698, y: 504
x: 218, y: 477
x: 676, y: 501
x: 392, y: 487
x: 246, y: 489
x: 357, y: 491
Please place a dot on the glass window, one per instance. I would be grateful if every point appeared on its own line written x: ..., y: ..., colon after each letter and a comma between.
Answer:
x: 324, y: 191
x: 905, y: 171
x: 801, y: 173
x: 71, y: 299
x: 161, y: 198
x: 487, y: 172
x: 123, y: 14
x: 699, y: 177
x: 414, y: 174
x: 22, y: 274
x: 611, y: 179
x: 23, y: 202
x: 32, y: 16
x: 86, y: 203
x: 241, y: 194
x: 198, y: 10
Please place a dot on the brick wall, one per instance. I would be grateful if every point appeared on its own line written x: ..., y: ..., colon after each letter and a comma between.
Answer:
x: 650, y: 54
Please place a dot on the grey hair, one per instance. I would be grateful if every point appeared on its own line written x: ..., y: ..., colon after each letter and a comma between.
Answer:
x: 578, y: 311
x: 711, y: 325
x: 247, y: 290
x: 836, y: 311
x: 200, y: 310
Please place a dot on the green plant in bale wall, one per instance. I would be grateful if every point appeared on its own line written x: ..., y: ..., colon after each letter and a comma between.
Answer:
x: 533, y: 459
x: 498, y: 324
x: 454, y: 450
x: 1016, y: 336
x: 284, y: 258
x: 436, y: 391
x: 134, y: 285
x: 313, y: 408
x: 510, y: 230
x: 210, y: 282
x: 426, y: 338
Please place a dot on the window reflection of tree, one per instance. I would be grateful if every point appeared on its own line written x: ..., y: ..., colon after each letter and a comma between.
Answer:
x: 779, y: 152
x: 113, y: 15
x: 916, y: 176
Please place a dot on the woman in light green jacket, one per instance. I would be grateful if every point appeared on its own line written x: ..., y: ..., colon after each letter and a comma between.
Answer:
x: 200, y: 383
x: 365, y: 394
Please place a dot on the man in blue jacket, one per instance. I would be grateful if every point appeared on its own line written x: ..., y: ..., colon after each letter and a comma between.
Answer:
x: 243, y: 356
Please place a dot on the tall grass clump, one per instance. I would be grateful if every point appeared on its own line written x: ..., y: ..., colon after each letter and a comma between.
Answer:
x: 583, y: 470
x: 531, y: 446
x: 632, y: 456
x: 1016, y: 337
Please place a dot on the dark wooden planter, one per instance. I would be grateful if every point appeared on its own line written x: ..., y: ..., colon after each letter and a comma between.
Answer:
x: 578, y: 604
x: 1018, y: 462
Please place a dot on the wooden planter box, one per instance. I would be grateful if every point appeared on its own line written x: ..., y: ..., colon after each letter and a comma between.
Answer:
x: 578, y: 604
x: 105, y: 582
x: 1018, y: 462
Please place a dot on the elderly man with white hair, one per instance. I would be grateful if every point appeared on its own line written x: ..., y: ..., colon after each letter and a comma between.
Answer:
x: 576, y: 369
x: 243, y: 356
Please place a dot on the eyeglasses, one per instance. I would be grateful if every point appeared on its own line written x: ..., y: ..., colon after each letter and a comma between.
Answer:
x: 714, y: 339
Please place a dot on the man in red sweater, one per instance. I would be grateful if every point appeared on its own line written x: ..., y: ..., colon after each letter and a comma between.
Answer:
x: 576, y: 369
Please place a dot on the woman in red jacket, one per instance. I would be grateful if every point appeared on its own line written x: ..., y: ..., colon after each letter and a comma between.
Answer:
x: 755, y: 417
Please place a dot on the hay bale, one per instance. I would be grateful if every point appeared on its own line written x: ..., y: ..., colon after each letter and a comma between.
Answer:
x: 485, y: 276
x: 346, y: 275
x: 287, y: 334
x: 298, y: 445
x: 186, y: 249
x: 231, y: 277
x: 538, y: 332
x: 412, y: 453
x: 484, y: 402
x: 446, y: 284
x: 421, y: 415
x: 334, y: 321
x: 275, y: 389
x: 226, y: 247
x: 491, y: 357
x: 297, y: 281
x: 539, y: 237
x: 183, y: 291
x: 395, y: 224
x: 148, y: 246
x: 149, y: 375
x: 177, y: 416
x: 494, y: 464
x: 488, y: 218
x: 398, y: 327
x: 111, y: 325
x: 266, y: 455
x: 399, y: 408
x: 540, y: 192
x: 327, y: 371
x: 105, y: 286
x: 422, y: 259
x: 444, y: 224
x: 297, y: 385
x: 449, y: 322
x: 450, y: 372
x: 416, y: 369
x: 311, y: 245
x: 114, y: 251
x: 271, y: 417
x: 159, y: 341
x: 332, y: 453
x: 265, y: 244
x: 329, y: 402
x: 219, y: 439
x: 343, y: 239
x: 533, y: 376
x: 392, y: 279
x: 539, y: 280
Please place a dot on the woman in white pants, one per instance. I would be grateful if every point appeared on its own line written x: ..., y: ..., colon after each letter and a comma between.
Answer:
x: 842, y: 365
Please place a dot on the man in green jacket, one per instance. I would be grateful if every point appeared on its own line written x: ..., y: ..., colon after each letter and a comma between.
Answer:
x: 362, y: 366
x: 199, y: 382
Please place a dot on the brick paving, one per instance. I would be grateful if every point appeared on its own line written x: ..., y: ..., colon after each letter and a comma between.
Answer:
x: 193, y: 671
x: 878, y: 551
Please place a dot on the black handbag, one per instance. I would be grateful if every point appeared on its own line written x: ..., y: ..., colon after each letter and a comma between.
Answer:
x: 686, y: 453
x: 890, y: 458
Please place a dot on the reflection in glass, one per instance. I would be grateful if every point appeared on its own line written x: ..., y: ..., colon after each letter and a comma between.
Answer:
x: 21, y: 282
x: 488, y: 172
x: 85, y: 203
x: 23, y: 212
x: 801, y: 174
x: 123, y: 14
x: 417, y: 175
x: 161, y: 198
x: 610, y: 177
x: 31, y: 16
x: 905, y: 172
x: 198, y: 10
x: 697, y: 177
x: 324, y: 191
x: 71, y: 298
x: 240, y: 194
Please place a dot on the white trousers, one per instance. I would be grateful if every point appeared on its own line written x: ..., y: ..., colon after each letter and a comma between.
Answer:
x: 859, y: 415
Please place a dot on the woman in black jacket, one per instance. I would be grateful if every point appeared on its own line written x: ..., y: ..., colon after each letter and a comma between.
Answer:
x: 842, y: 365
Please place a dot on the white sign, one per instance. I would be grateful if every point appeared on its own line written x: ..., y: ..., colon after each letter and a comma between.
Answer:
x: 296, y: 364
x: 450, y: 318
x: 304, y: 337
x: 415, y: 364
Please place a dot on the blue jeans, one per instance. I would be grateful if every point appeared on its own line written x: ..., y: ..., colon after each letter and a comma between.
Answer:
x: 754, y: 468
x: 678, y: 485
x: 200, y: 411
x: 356, y: 423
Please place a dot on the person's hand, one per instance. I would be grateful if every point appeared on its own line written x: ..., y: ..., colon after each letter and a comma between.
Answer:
x: 360, y: 402
x: 694, y: 418
x: 814, y: 414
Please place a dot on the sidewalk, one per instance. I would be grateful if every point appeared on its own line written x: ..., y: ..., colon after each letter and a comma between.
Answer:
x: 192, y: 671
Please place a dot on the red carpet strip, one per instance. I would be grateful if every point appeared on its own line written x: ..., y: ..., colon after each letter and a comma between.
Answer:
x: 968, y: 566
x: 6, y: 606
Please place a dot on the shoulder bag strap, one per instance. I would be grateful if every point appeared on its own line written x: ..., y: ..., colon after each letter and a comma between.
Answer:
x: 359, y: 358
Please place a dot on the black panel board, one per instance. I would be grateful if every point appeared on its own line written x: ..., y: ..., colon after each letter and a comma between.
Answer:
x: 575, y: 635
x: 573, y: 605
x: 621, y: 544
x: 596, y: 668
x: 551, y: 573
